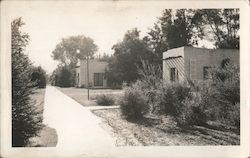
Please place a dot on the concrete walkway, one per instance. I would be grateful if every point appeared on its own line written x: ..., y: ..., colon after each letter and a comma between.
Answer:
x: 79, y: 132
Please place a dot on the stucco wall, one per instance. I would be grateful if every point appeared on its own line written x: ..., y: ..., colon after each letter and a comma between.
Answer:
x: 206, y: 57
x: 94, y: 67
x: 173, y: 58
x: 177, y: 63
x: 194, y: 60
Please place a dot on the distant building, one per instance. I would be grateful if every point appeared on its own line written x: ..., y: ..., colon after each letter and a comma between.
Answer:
x: 193, y: 63
x: 96, y: 74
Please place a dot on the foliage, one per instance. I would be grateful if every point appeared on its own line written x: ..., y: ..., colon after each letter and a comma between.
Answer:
x: 221, y: 24
x: 66, y: 50
x: 127, y: 56
x: 234, y: 116
x: 105, y: 100
x: 106, y: 57
x: 172, y: 30
x: 63, y: 76
x: 191, y: 113
x: 150, y: 84
x: 221, y: 94
x: 183, y: 27
x: 173, y: 97
x: 26, y: 119
x: 133, y: 103
x: 150, y: 73
x: 38, y: 76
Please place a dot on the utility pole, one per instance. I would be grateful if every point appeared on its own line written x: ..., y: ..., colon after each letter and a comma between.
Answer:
x: 88, y: 74
x: 78, y: 51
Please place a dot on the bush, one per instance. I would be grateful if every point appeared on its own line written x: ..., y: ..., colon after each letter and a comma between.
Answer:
x: 133, y: 103
x: 191, y: 113
x: 63, y: 76
x: 38, y: 76
x: 105, y: 100
x: 172, y: 98
x: 150, y: 84
x: 179, y: 101
x: 221, y: 95
x: 235, y: 116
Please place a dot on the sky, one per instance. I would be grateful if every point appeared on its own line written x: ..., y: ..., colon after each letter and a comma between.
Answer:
x: 47, y: 22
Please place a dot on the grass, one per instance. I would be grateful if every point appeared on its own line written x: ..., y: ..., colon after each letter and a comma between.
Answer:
x: 47, y: 137
x: 80, y: 94
x: 163, y: 132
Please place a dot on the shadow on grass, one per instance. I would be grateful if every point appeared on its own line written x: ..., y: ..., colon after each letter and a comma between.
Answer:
x: 47, y: 137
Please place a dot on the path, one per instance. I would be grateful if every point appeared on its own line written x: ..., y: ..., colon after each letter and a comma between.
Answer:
x: 79, y: 132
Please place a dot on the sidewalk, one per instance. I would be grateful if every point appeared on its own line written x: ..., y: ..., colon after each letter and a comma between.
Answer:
x: 78, y: 130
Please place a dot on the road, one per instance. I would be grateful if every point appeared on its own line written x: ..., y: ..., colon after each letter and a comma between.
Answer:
x: 79, y: 132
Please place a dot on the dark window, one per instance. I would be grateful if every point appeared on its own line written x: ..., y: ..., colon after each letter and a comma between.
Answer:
x: 174, y: 74
x: 78, y: 78
x: 206, y: 72
x: 98, y: 79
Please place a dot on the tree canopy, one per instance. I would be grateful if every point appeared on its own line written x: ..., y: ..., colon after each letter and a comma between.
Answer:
x: 183, y: 27
x: 127, y: 57
x: 218, y: 25
x: 66, y: 50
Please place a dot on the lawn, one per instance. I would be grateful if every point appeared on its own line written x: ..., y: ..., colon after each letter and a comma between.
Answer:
x: 47, y: 137
x: 162, y: 132
x: 81, y: 96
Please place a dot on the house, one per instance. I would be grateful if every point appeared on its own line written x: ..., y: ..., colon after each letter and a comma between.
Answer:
x: 193, y: 63
x: 96, y: 73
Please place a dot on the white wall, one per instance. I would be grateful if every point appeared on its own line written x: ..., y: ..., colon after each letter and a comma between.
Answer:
x: 94, y: 67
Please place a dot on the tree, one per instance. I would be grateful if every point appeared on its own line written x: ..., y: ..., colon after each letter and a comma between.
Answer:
x: 38, y: 76
x: 67, y: 53
x: 66, y: 50
x: 26, y: 119
x: 221, y: 25
x: 127, y: 57
x: 173, y: 29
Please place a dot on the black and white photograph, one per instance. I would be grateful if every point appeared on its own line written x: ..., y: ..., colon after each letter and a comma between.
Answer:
x: 125, y: 78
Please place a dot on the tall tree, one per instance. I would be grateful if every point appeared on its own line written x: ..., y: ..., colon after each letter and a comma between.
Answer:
x: 66, y: 50
x: 173, y: 29
x: 67, y: 53
x: 26, y: 119
x: 221, y: 25
x: 127, y: 57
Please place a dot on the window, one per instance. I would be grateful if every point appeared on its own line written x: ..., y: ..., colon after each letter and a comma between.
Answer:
x: 174, y: 74
x: 206, y: 72
x: 98, y: 79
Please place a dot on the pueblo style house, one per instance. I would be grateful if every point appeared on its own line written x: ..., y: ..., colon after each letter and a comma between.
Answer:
x: 95, y: 74
x: 193, y: 63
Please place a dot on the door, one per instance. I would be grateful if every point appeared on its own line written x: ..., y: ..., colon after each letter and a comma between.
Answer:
x: 98, y: 79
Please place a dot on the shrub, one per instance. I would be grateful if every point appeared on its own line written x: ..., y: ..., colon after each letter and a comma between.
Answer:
x: 191, y: 113
x: 221, y: 95
x: 38, y: 76
x: 179, y: 101
x: 105, y: 100
x: 133, y: 103
x: 172, y: 98
x: 63, y: 76
x: 150, y: 84
x: 235, y: 116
